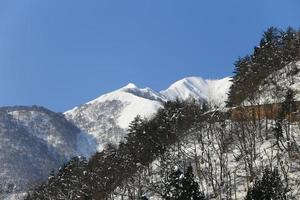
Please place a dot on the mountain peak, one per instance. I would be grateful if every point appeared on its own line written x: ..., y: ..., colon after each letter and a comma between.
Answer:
x: 130, y: 86
x: 212, y: 91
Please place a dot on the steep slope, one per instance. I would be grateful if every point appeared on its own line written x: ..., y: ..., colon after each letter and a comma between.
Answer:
x: 274, y: 88
x: 213, y: 92
x: 33, y: 141
x: 226, y: 159
x: 107, y: 117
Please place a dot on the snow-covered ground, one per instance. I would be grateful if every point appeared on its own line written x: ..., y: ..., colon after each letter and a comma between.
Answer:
x: 223, y: 156
x: 274, y: 88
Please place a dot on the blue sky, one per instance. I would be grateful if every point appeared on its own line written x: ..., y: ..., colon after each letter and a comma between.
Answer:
x: 61, y: 53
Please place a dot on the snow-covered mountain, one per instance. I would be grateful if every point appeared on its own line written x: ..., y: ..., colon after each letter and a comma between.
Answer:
x: 33, y: 141
x: 107, y: 117
x: 213, y: 92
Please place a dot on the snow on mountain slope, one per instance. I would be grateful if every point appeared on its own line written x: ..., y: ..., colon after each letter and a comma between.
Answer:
x: 212, y: 91
x: 143, y: 102
x: 33, y: 141
x: 107, y: 117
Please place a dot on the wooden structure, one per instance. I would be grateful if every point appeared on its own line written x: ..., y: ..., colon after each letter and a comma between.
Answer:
x: 266, y: 111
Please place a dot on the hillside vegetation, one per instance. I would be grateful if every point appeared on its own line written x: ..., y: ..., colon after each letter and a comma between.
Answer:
x: 249, y: 150
x: 275, y: 51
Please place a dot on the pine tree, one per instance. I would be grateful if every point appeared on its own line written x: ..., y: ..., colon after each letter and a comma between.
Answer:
x: 289, y: 105
x: 112, y: 167
x: 174, y: 186
x: 183, y: 186
x: 290, y: 47
x: 278, y: 130
x: 69, y: 183
x: 277, y: 48
x: 190, y: 186
x: 270, y: 187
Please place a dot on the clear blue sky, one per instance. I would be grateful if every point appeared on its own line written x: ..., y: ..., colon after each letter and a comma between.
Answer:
x: 61, y: 53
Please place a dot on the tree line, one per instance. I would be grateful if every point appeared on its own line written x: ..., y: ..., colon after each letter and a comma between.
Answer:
x: 230, y: 160
x: 98, y: 177
x: 214, y: 159
x: 276, y: 49
x: 202, y: 151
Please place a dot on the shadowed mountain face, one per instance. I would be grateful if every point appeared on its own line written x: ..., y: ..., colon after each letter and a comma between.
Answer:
x: 99, y: 120
x: 33, y: 141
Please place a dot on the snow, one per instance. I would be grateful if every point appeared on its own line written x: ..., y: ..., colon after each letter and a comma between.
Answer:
x: 129, y: 91
x: 86, y: 145
x: 275, y: 86
x: 212, y: 91
x: 34, y: 141
x: 134, y: 106
x: 107, y: 117
x: 15, y: 196
x: 97, y: 122
x: 189, y: 151
x: 130, y: 85
x: 136, y: 103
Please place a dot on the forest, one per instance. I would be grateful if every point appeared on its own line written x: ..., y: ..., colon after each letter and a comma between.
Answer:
x: 189, y: 151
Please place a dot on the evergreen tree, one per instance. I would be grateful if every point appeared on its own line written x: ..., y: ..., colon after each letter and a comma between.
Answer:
x: 174, y: 185
x: 277, y: 48
x: 183, y: 186
x: 278, y: 130
x: 289, y: 105
x: 243, y: 81
x: 112, y: 167
x: 270, y: 187
x: 190, y: 186
x: 69, y: 183
x: 290, y: 47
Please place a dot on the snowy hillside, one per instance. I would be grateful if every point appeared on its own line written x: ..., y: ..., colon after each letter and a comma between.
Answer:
x: 224, y: 172
x: 274, y: 88
x: 107, y: 117
x: 33, y: 141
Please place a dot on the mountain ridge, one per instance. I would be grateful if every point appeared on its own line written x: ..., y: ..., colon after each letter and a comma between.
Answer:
x: 82, y: 130
x: 34, y: 141
x: 130, y: 101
